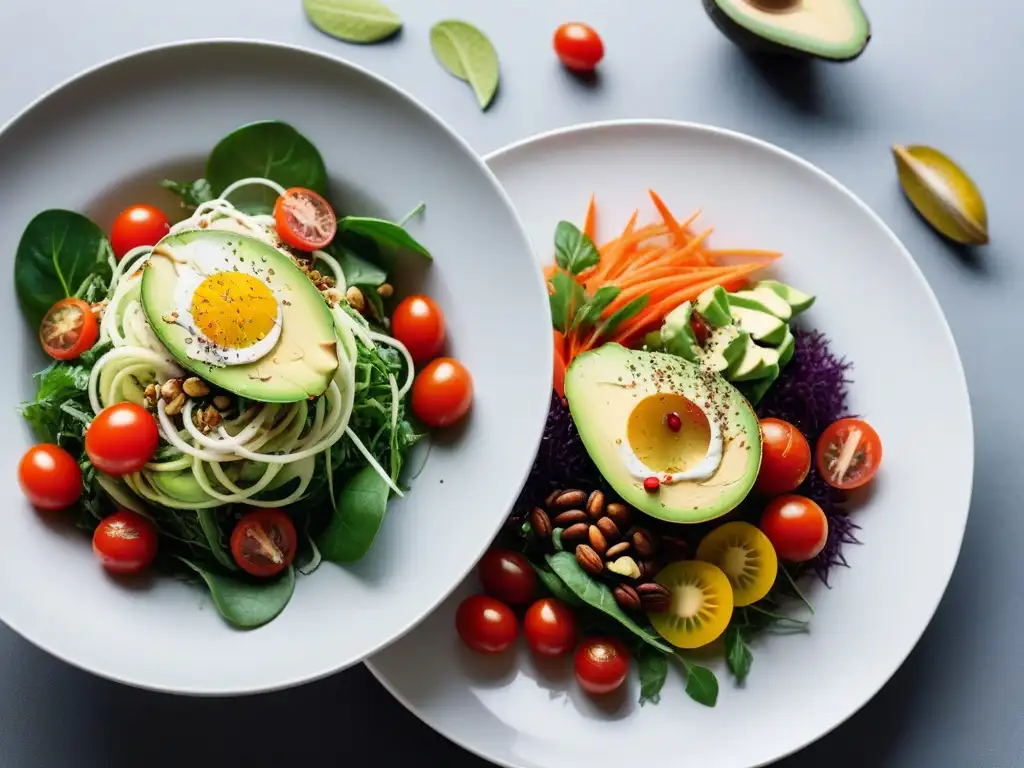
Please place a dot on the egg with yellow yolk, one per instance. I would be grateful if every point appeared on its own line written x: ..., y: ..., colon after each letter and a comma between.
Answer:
x: 240, y: 314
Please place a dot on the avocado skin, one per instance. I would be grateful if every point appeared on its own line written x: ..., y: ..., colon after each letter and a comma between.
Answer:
x: 754, y: 43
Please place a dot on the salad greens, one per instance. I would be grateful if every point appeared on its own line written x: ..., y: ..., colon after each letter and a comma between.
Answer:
x: 244, y: 603
x: 357, y: 518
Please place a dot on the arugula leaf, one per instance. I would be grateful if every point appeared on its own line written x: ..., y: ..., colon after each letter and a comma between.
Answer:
x: 591, y: 311
x: 628, y: 312
x: 737, y: 653
x: 701, y: 684
x: 565, y: 301
x: 62, y: 401
x: 597, y: 595
x: 247, y: 604
x: 192, y: 193
x: 574, y: 250
x: 362, y: 505
x: 556, y: 586
x: 652, y: 666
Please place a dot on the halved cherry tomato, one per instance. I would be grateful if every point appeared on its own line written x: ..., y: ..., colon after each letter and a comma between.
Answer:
x: 418, y: 323
x: 442, y: 392
x: 578, y: 46
x: 68, y: 329
x: 304, y: 219
x: 263, y: 542
x: 550, y: 627
x: 486, y: 625
x: 508, y: 576
x: 121, y: 439
x: 602, y: 664
x: 849, y: 454
x: 125, y: 542
x: 135, y: 226
x: 785, y: 457
x: 49, y: 477
x: 796, y: 527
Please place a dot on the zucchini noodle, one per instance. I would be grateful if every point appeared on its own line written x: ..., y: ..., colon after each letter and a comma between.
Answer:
x: 265, y: 447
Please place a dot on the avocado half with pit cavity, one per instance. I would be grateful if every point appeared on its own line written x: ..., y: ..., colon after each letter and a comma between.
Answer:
x: 836, y: 30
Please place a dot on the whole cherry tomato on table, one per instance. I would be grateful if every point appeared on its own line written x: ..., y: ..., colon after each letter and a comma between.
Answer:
x: 304, y: 220
x: 68, y: 329
x: 508, y: 576
x: 121, y: 439
x: 418, y: 323
x: 486, y: 625
x: 550, y: 627
x: 785, y: 457
x: 442, y: 392
x: 50, y: 477
x: 125, y: 542
x: 578, y: 46
x: 601, y: 665
x: 135, y: 226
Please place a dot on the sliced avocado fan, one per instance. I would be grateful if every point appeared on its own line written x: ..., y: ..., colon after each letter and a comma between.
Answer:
x: 837, y: 30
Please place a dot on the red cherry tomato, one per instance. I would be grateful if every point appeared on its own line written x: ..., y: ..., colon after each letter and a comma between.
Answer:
x: 68, y: 329
x: 849, y: 454
x: 121, y: 439
x: 125, y: 542
x: 304, y: 219
x: 442, y: 392
x: 578, y: 46
x: 418, y: 323
x: 486, y: 625
x: 263, y: 542
x: 49, y: 477
x: 796, y: 527
x: 508, y: 576
x: 550, y: 627
x: 135, y: 226
x: 601, y: 665
x: 785, y: 457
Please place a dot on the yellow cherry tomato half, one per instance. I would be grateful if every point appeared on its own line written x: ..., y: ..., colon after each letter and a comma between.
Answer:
x: 700, y: 607
x: 746, y: 557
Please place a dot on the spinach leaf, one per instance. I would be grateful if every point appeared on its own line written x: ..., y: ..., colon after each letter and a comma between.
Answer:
x: 359, y: 271
x: 247, y: 604
x: 467, y: 54
x: 355, y: 21
x: 653, y: 668
x: 362, y: 504
x: 591, y: 311
x: 628, y: 312
x: 701, y: 684
x: 566, y: 299
x: 270, y: 150
x: 737, y: 653
x: 208, y: 522
x: 574, y: 250
x: 391, y: 239
x: 192, y: 193
x: 598, y: 595
x: 59, y: 252
x: 556, y: 586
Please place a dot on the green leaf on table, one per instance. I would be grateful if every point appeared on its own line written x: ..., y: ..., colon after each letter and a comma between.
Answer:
x: 737, y: 653
x: 556, y: 586
x: 60, y: 254
x: 353, y: 527
x: 355, y: 21
x: 565, y: 300
x: 574, y: 250
x: 591, y: 310
x: 652, y: 665
x: 597, y: 595
x: 247, y: 604
x: 467, y: 54
x: 701, y: 684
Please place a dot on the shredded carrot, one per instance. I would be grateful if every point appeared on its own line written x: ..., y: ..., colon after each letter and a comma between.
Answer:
x: 590, y: 223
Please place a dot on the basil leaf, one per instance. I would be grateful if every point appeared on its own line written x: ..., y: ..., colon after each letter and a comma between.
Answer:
x: 565, y: 301
x: 270, y: 150
x: 192, y: 193
x: 737, y: 653
x: 355, y: 523
x: 247, y: 604
x: 597, y: 595
x: 653, y: 668
x: 701, y: 684
x: 467, y: 54
x: 391, y: 240
x: 591, y: 312
x: 59, y: 251
x: 628, y: 312
x: 574, y: 250
x: 556, y: 586
x: 359, y: 271
x: 355, y: 21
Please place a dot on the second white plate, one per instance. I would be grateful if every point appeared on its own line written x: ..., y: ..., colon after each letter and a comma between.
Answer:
x: 879, y: 312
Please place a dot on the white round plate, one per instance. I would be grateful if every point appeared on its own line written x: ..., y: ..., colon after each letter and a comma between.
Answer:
x: 878, y: 311
x: 104, y: 140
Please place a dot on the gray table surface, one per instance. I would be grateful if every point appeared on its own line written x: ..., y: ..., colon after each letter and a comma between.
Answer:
x: 939, y: 72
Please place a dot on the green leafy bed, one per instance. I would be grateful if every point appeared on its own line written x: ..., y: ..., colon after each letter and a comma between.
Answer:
x: 63, y: 253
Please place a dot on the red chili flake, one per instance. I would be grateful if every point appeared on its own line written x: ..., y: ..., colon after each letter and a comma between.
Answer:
x: 673, y: 422
x: 651, y: 484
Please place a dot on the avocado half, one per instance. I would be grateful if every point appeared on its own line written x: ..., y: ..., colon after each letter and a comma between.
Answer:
x: 835, y: 30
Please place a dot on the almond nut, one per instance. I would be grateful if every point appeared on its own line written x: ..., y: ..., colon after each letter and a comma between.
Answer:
x: 626, y: 597
x: 540, y: 522
x: 588, y: 559
x: 625, y: 566
x: 595, y: 505
x: 569, y: 499
x: 619, y: 513
x: 550, y: 500
x: 654, y: 597
x: 617, y: 549
x: 608, y: 528
x: 577, y: 531
x: 569, y: 517
x: 643, y: 542
x: 597, y: 540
